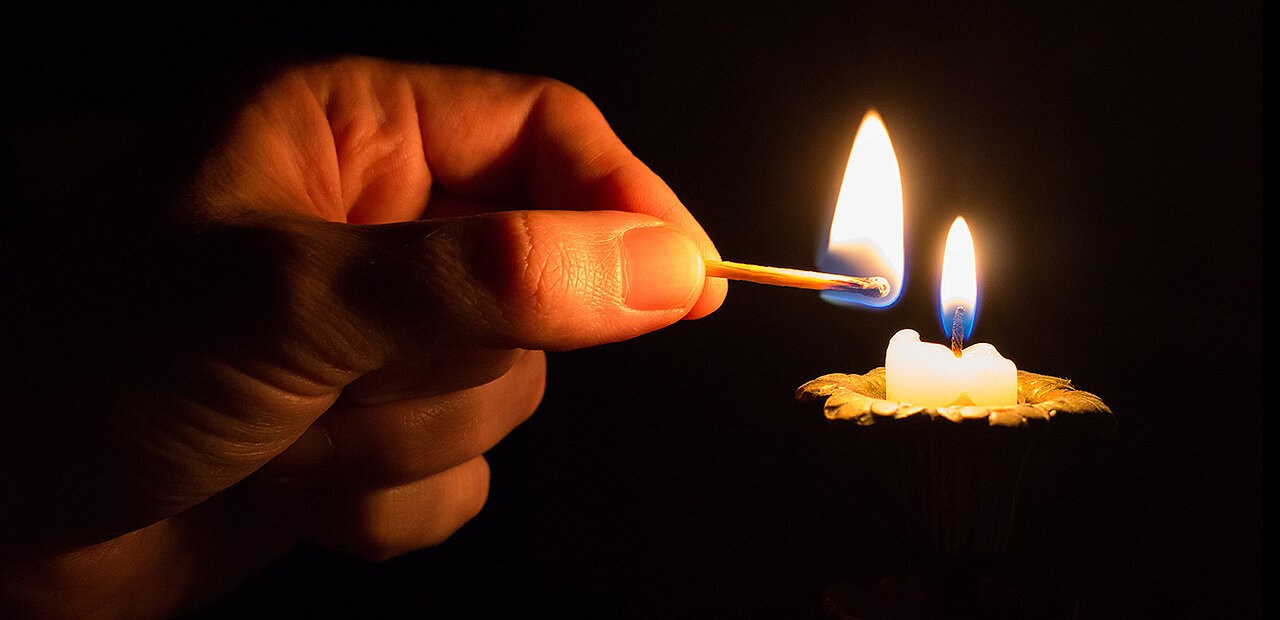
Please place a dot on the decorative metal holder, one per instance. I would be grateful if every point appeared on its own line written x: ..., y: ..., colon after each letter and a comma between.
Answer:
x: 953, y: 478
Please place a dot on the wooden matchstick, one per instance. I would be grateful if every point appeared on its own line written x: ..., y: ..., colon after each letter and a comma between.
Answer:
x: 874, y: 286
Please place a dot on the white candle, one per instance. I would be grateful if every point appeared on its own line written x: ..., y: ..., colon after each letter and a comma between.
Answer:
x: 866, y: 238
x: 924, y: 373
x: 932, y: 375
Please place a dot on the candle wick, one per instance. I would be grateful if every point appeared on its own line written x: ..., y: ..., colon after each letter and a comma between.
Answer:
x: 957, y: 332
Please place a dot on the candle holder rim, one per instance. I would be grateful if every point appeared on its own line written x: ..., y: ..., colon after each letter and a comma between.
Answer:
x: 1041, y: 399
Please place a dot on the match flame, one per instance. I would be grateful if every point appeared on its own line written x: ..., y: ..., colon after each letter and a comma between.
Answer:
x: 959, y: 287
x: 866, y: 230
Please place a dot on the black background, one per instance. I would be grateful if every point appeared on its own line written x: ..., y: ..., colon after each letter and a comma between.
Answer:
x: 1107, y: 159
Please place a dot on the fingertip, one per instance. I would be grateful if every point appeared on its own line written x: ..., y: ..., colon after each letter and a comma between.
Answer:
x: 636, y: 189
x: 714, y: 291
x: 559, y: 280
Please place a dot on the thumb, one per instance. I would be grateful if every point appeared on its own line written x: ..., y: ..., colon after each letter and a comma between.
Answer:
x: 201, y: 352
x: 549, y: 280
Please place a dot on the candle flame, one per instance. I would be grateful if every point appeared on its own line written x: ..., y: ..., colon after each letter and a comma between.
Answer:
x: 959, y: 287
x: 866, y: 229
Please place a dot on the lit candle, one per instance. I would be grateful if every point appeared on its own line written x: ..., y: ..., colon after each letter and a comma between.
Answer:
x: 866, y: 239
x: 933, y: 375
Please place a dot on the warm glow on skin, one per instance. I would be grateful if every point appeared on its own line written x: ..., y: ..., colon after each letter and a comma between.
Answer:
x: 320, y: 335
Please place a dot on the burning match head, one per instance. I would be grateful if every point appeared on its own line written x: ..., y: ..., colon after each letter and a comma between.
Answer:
x: 874, y: 287
x: 844, y: 260
x: 881, y: 286
x: 869, y: 292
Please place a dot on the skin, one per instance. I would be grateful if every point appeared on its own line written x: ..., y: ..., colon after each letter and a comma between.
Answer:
x: 318, y: 333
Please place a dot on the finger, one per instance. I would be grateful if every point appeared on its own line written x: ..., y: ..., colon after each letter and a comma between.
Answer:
x: 388, y: 442
x: 419, y: 373
x: 379, y: 525
x: 367, y: 141
x: 261, y: 326
x: 536, y: 280
x: 543, y: 139
x: 446, y: 204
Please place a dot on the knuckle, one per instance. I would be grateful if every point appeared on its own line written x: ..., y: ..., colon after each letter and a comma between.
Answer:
x: 545, y: 271
x: 472, y: 501
x: 534, y: 384
x: 307, y: 72
x: 549, y: 281
x: 556, y: 103
x: 305, y: 264
x: 280, y: 281
x: 548, y: 272
x: 395, y: 522
x: 563, y: 94
x: 375, y: 533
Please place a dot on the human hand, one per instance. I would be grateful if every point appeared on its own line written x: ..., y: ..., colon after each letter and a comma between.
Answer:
x: 319, y: 336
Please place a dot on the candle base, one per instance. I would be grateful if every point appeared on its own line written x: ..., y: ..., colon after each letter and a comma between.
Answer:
x: 1041, y: 398
x: 949, y: 486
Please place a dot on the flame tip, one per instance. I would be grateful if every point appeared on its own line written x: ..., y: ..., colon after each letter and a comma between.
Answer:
x: 866, y: 235
x: 959, y: 286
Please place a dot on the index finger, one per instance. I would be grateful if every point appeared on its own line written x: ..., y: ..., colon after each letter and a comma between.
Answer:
x: 486, y: 134
x: 371, y: 141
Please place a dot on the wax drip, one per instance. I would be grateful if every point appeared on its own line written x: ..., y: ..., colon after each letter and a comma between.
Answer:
x: 957, y: 332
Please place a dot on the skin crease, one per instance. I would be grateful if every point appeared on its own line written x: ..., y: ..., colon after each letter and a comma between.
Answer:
x: 317, y: 335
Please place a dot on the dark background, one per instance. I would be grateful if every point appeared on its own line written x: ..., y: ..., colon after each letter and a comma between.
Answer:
x: 1107, y: 159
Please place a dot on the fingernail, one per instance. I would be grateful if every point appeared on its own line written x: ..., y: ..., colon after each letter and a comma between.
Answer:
x: 662, y: 267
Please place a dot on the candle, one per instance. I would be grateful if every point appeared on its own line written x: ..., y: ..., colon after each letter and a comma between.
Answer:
x: 924, y: 373
x: 933, y: 375
x: 954, y: 484
x: 866, y: 238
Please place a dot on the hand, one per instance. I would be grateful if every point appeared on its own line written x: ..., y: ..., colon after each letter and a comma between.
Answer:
x: 318, y: 336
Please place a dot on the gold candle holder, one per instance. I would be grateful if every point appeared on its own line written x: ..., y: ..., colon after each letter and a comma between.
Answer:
x: 952, y: 479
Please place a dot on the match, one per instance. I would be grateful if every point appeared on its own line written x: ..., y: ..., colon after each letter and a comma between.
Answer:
x: 874, y: 286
